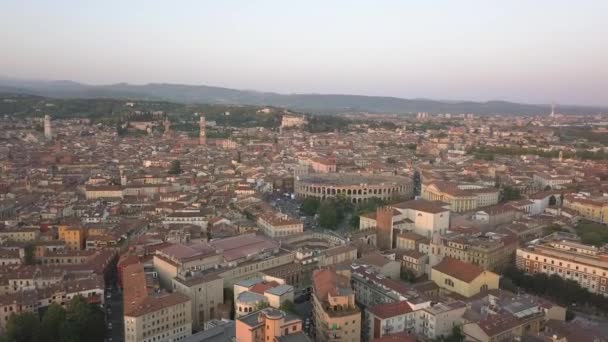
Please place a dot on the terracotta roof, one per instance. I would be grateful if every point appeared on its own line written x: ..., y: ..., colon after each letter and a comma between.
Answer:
x: 458, y: 269
x: 154, y: 303
x: 388, y: 310
x: 421, y: 205
x: 328, y: 282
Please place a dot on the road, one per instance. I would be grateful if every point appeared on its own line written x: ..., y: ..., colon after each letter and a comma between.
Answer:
x: 113, y: 308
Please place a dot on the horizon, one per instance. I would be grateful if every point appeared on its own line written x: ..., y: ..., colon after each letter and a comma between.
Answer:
x: 531, y: 53
x: 557, y: 105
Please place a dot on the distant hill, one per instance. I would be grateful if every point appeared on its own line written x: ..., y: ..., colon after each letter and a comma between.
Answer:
x: 314, y: 103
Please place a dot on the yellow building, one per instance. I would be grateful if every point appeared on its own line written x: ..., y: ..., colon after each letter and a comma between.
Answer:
x: 104, y: 191
x: 591, y: 208
x: 463, y: 278
x: 73, y: 237
x: 460, y: 197
x: 459, y: 200
x: 20, y: 234
x: 336, y: 316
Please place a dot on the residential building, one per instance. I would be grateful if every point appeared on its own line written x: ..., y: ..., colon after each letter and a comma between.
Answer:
x: 269, y: 324
x: 335, y: 314
x: 163, y: 317
x: 463, y: 278
x: 592, y: 208
x: 564, y: 255
x: 278, y: 225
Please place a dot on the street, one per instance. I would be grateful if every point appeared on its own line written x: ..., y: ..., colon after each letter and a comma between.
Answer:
x: 114, y: 317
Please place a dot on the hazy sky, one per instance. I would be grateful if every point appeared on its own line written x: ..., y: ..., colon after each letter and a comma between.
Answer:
x: 522, y: 50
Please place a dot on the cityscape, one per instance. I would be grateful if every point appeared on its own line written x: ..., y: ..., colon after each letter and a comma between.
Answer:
x: 165, y: 211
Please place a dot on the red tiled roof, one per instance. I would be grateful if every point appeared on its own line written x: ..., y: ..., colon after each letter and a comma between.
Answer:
x: 388, y: 310
x: 458, y: 269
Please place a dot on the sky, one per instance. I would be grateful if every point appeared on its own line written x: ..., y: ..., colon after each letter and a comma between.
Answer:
x: 534, y: 51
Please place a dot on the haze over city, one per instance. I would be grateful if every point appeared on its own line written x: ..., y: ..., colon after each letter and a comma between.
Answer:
x: 525, y: 51
x: 303, y: 171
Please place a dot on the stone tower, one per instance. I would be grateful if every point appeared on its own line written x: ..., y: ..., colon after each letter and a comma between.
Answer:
x: 123, y: 178
x: 167, y: 126
x: 48, y: 132
x: 384, y: 228
x: 435, y: 253
x: 202, y: 137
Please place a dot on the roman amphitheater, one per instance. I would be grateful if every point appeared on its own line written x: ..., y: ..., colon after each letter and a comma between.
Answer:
x: 357, y: 187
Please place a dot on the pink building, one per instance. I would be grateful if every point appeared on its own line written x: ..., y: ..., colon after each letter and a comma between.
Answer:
x: 268, y: 324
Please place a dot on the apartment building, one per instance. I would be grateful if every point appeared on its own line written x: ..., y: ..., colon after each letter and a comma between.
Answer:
x: 73, y: 237
x: 592, y: 208
x: 180, y: 259
x: 103, y: 192
x: 390, y: 318
x: 278, y: 225
x: 439, y: 319
x: 489, y: 251
x: 269, y: 324
x: 20, y: 234
x: 563, y: 255
x: 335, y: 314
x: 160, y: 318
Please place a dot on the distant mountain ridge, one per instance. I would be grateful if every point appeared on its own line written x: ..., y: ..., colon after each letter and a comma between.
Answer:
x: 314, y: 103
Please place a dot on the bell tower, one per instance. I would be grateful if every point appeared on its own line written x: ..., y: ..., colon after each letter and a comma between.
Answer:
x: 202, y: 136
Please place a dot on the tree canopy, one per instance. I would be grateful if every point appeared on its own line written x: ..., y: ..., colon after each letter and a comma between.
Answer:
x: 81, y: 321
x: 176, y: 167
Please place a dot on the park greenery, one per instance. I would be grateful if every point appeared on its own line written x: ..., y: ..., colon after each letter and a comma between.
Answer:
x: 489, y: 153
x: 407, y: 275
x: 592, y: 233
x: 564, y: 292
x: 510, y: 193
x: 81, y: 321
x: 289, y: 306
x: 175, y: 168
x: 455, y: 336
x: 326, y: 123
x: 332, y: 212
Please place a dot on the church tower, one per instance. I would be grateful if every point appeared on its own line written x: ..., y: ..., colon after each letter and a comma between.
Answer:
x: 202, y: 137
x: 435, y: 254
x: 48, y: 133
x: 167, y: 126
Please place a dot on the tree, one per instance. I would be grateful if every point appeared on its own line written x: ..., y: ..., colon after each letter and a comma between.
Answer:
x: 83, y: 322
x: 552, y: 200
x: 408, y: 275
x: 22, y: 327
x: 176, y: 167
x: 288, y: 306
x: 260, y: 305
x: 552, y: 228
x: 310, y: 206
x: 328, y: 217
x: 51, y: 323
x: 510, y: 194
x: 592, y: 233
x: 29, y: 256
